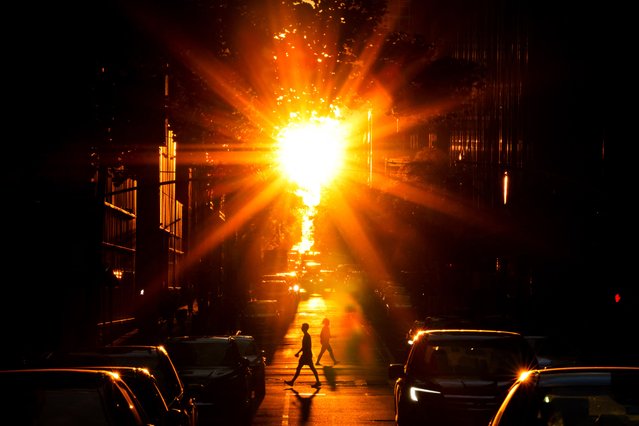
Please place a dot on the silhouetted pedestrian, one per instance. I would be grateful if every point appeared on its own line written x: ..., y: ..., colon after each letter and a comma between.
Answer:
x: 325, y: 340
x: 305, y: 359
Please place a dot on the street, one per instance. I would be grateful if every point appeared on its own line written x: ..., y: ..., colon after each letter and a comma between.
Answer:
x: 356, y: 391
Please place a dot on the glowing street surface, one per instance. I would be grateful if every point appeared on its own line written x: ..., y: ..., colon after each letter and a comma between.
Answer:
x: 356, y: 391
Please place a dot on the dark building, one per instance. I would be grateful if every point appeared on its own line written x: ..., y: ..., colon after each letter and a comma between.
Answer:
x: 98, y: 227
x: 525, y: 150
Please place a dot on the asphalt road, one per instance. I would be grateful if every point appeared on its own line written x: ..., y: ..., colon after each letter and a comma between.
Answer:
x: 356, y: 391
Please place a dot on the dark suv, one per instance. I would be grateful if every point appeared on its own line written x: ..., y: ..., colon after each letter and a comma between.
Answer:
x: 216, y: 374
x: 458, y: 376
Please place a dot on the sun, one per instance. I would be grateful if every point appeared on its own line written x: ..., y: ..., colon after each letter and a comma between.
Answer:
x: 311, y: 154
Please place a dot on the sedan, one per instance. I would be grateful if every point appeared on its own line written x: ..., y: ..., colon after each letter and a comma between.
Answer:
x: 585, y: 395
x: 154, y: 358
x: 261, y: 317
x: 458, y: 376
x: 70, y: 397
x: 215, y: 373
x: 145, y: 388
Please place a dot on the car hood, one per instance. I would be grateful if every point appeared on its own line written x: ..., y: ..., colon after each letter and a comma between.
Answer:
x: 470, y: 386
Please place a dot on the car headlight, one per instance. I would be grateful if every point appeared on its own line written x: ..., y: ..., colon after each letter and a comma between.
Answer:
x: 415, y: 392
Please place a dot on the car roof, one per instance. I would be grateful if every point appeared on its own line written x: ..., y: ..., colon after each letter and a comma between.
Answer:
x: 465, y: 334
x: 581, y: 375
x: 120, y: 369
x: 243, y: 337
x: 65, y: 376
x: 113, y: 356
x: 131, y: 351
x: 217, y: 339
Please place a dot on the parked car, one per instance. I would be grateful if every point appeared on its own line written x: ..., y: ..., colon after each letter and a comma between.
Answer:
x: 585, y: 395
x: 287, y: 294
x: 215, y: 373
x: 70, y: 397
x: 457, y: 376
x: 257, y: 362
x: 154, y: 358
x: 396, y: 302
x: 147, y: 391
x: 274, y: 287
x: 261, y: 317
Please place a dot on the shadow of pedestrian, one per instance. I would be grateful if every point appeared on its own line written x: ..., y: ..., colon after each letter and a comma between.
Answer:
x: 304, y: 401
x: 331, y: 376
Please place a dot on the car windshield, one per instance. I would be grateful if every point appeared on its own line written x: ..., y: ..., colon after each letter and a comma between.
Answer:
x: 247, y: 347
x: 201, y: 354
x: 482, y: 358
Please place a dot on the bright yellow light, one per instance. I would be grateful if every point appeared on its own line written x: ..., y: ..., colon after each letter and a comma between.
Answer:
x: 505, y: 187
x: 523, y: 376
x: 311, y: 154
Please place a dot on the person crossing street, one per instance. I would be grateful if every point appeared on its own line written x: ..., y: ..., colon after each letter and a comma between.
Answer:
x: 325, y: 340
x: 305, y: 359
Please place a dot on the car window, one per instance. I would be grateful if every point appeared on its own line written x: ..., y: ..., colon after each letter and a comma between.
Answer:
x: 246, y: 347
x: 160, y: 365
x: 477, y: 357
x: 121, y: 411
x: 436, y: 361
x: 57, y: 406
x: 149, y: 396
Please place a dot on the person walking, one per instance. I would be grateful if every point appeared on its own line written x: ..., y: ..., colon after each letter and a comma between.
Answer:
x: 305, y: 359
x: 325, y: 340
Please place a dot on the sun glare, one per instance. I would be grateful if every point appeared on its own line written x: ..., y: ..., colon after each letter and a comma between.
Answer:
x: 311, y: 154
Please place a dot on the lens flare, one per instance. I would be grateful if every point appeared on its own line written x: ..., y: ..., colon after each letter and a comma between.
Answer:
x: 310, y: 155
